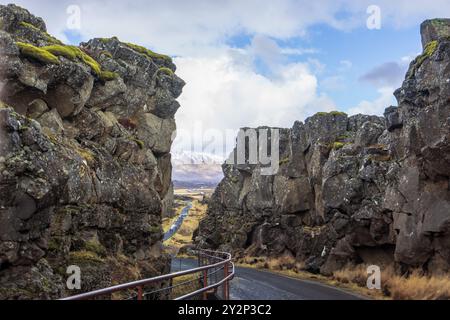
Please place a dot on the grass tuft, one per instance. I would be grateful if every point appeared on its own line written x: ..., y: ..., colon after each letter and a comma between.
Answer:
x: 39, y: 54
x: 80, y: 257
x: 47, y: 36
x: 108, y: 75
x: 166, y: 71
x: 50, y: 54
x: 429, y: 50
x: 332, y: 113
x: 337, y: 145
x: 416, y: 286
x: 147, y: 52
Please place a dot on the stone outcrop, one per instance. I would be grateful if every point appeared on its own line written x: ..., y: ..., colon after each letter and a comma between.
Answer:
x: 85, y: 138
x: 352, y: 190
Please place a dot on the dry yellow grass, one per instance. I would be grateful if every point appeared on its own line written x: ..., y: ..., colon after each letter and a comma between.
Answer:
x: 413, y: 287
x: 284, y: 262
x: 418, y: 287
x: 287, y: 265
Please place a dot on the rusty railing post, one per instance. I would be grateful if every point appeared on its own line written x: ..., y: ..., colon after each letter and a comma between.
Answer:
x: 140, y: 294
x: 205, y: 284
x: 226, y: 288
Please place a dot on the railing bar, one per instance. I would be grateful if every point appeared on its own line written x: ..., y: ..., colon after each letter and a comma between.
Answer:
x: 135, y: 284
x: 175, y: 286
x: 230, y: 277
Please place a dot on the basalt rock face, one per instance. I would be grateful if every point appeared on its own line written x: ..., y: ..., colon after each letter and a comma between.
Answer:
x: 351, y: 190
x: 84, y: 159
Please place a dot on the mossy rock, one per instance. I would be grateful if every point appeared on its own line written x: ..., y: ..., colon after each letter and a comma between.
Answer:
x: 155, y: 229
x: 50, y: 54
x: 235, y: 180
x: 86, y: 155
x: 29, y: 26
x: 332, y: 113
x: 284, y: 161
x: 140, y: 143
x: 49, y: 38
x: 95, y: 247
x: 107, y: 54
x: 429, y: 50
x: 147, y: 52
x: 36, y: 53
x: 84, y: 257
x: 338, y: 145
x: 108, y: 76
x: 166, y: 71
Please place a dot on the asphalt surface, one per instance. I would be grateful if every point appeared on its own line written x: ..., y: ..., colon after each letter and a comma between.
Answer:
x: 252, y: 284
x: 177, y: 225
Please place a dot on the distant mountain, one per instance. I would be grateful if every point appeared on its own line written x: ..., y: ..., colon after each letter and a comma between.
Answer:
x: 194, y: 185
x: 194, y: 169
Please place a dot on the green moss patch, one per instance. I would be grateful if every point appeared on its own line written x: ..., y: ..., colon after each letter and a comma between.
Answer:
x: 29, y: 26
x: 42, y: 55
x: 332, y: 113
x: 108, y: 76
x: 147, y: 52
x: 95, y: 247
x: 166, y: 71
x: 107, y: 54
x: 284, y: 161
x: 429, y: 50
x: 140, y: 143
x: 82, y: 257
x: 337, y: 145
x: 47, y: 36
x: 50, y: 54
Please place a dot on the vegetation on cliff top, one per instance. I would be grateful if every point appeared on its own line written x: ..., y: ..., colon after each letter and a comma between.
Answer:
x: 37, y: 53
x: 167, y: 71
x: 147, y: 52
x: 429, y: 50
x: 140, y: 49
x: 332, y: 113
x: 50, y: 54
x: 48, y: 37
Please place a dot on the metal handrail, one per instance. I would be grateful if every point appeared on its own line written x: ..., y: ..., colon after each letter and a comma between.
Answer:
x: 213, y: 286
x: 225, y: 262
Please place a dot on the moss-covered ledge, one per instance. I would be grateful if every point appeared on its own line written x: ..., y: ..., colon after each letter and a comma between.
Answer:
x: 50, y: 54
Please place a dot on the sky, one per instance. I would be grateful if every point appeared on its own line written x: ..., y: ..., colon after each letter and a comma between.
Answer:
x: 249, y: 63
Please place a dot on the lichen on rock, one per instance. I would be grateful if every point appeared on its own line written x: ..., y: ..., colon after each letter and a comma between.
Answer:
x: 79, y: 184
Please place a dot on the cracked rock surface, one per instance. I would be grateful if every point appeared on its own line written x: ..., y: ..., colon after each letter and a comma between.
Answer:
x: 350, y: 190
x: 85, y: 163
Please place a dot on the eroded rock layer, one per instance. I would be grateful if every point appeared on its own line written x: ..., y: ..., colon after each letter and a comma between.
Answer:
x: 85, y: 164
x: 351, y: 190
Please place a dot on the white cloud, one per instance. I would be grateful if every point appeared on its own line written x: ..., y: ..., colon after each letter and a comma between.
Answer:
x: 377, y: 106
x: 223, y: 93
x: 223, y: 90
x: 180, y: 27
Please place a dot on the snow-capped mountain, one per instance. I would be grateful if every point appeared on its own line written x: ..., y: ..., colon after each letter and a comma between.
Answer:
x: 197, y: 168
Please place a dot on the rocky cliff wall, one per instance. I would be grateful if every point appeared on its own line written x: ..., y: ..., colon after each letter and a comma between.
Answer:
x: 85, y: 138
x: 351, y: 190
